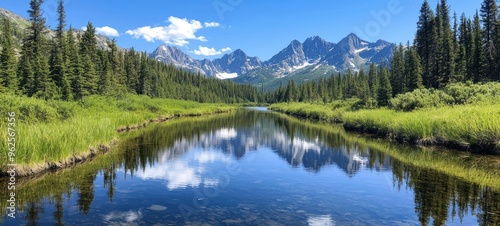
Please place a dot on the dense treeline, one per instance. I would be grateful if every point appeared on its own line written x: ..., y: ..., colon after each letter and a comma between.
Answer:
x: 68, y: 65
x: 443, y: 53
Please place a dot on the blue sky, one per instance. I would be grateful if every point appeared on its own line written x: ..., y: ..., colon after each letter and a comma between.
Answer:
x: 210, y: 28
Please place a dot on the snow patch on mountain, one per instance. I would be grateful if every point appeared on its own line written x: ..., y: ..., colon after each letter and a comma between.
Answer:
x: 225, y: 75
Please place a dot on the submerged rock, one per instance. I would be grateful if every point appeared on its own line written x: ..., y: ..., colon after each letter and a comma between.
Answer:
x: 157, y: 208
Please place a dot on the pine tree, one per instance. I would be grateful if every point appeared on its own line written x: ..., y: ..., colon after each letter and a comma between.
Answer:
x: 32, y: 66
x: 26, y: 74
x: 448, y: 58
x: 44, y: 86
x: 88, y: 78
x: 8, y: 62
x: 35, y: 39
x: 385, y: 89
x: 373, y: 81
x: 398, y: 80
x: 364, y: 88
x: 59, y: 57
x: 424, y: 41
x: 413, y: 70
x: 437, y: 74
x: 489, y: 13
x: 75, y: 66
x: 290, y: 91
x: 88, y: 42
x: 462, y: 50
x: 478, y: 61
x: 145, y: 81
x: 104, y: 84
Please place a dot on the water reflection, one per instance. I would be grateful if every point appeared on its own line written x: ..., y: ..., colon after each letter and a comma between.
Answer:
x: 179, y: 173
x: 325, y: 220
x: 184, y: 154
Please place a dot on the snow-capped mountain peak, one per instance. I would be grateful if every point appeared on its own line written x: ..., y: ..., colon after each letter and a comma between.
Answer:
x: 349, y: 53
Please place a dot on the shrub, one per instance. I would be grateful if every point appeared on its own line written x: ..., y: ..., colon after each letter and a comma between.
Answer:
x: 420, y: 98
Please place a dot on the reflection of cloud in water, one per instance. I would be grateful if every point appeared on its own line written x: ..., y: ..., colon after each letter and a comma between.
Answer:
x: 122, y: 218
x: 178, y: 174
x: 323, y: 220
x: 363, y: 160
x: 226, y: 133
x: 301, y: 144
x: 181, y: 174
x: 211, y: 157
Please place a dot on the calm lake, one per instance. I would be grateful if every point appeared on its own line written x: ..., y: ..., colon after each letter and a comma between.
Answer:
x: 252, y: 167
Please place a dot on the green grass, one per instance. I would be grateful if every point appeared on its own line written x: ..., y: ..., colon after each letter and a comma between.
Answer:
x: 483, y: 170
x: 53, y: 131
x: 476, y: 126
x: 333, y: 112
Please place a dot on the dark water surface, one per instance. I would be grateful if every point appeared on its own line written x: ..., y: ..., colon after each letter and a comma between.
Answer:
x: 251, y: 168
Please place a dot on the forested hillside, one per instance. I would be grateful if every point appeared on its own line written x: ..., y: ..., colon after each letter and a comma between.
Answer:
x: 70, y: 66
x: 447, y: 49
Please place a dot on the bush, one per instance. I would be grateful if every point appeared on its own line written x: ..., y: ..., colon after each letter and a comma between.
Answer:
x: 453, y: 94
x: 473, y: 93
x: 420, y: 98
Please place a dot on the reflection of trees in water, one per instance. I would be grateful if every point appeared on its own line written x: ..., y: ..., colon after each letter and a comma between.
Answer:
x: 435, y: 193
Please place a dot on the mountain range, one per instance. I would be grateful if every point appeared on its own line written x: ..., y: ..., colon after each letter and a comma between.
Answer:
x: 314, y: 57
x: 300, y: 61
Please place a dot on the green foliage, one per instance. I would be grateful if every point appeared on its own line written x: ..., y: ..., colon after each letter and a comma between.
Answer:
x: 384, y: 90
x: 461, y: 125
x: 453, y: 94
x: 54, y: 130
x: 421, y: 98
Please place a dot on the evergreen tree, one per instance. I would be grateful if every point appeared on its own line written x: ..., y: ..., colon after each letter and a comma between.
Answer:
x: 398, y: 80
x: 489, y: 13
x: 88, y: 79
x: 103, y: 86
x: 462, y: 50
x: 364, y: 88
x: 44, y: 86
x: 424, y: 41
x: 26, y: 74
x: 290, y: 91
x: 413, y: 70
x: 35, y: 41
x: 478, y: 61
x: 437, y: 73
x: 373, y: 81
x: 8, y: 62
x: 384, y: 89
x: 32, y: 66
x: 448, y: 58
x: 58, y: 61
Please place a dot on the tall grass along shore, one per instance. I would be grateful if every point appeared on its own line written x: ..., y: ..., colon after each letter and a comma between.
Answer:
x: 53, y: 134
x: 472, y: 127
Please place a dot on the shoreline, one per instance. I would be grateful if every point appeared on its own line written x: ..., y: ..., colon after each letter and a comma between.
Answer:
x: 35, y: 170
x: 357, y: 127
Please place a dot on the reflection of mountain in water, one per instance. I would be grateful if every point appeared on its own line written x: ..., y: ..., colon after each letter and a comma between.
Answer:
x: 157, y: 152
x: 299, y: 146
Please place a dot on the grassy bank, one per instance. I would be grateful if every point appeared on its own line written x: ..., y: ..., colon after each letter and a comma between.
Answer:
x: 54, y: 133
x: 465, y: 126
x: 483, y: 170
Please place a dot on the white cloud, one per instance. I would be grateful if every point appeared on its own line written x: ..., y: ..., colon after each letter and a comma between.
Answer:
x: 211, y: 24
x: 205, y: 51
x: 107, y: 31
x: 178, y: 32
